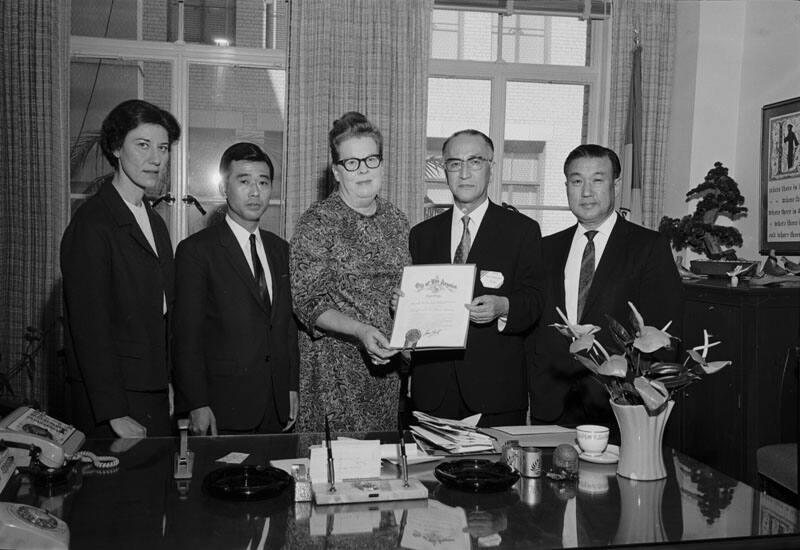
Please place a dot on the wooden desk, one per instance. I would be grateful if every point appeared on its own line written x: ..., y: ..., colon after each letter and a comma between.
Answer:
x: 141, y: 506
x: 724, y: 418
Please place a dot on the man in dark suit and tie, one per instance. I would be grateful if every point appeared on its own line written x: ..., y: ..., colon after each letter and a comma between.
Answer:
x: 487, y: 377
x: 594, y: 269
x: 235, y: 338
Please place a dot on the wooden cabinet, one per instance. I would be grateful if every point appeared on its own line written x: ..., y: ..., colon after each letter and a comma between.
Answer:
x: 722, y: 419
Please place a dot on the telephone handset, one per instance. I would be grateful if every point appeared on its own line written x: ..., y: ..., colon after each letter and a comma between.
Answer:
x: 57, y: 442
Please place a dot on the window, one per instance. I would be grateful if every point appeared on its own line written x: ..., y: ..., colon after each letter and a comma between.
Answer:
x: 220, y: 94
x: 534, y: 83
x: 241, y: 23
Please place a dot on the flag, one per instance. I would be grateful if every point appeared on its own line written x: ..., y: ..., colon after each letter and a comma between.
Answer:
x: 632, y: 152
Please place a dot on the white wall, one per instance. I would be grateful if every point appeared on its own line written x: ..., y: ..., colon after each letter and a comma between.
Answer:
x: 732, y: 58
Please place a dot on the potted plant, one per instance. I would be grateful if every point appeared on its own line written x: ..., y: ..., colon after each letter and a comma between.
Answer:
x: 718, y: 195
x: 640, y: 387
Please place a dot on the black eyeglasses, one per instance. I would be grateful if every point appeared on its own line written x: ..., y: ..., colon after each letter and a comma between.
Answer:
x: 473, y: 163
x: 353, y: 164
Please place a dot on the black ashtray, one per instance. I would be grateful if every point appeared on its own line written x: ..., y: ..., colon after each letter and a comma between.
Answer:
x: 476, y: 475
x: 247, y: 482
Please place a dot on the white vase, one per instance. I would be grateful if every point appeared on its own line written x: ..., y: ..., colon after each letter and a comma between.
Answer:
x: 640, y: 518
x: 641, y: 435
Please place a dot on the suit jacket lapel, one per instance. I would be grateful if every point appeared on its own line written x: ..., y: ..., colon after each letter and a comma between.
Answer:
x: 560, y: 254
x: 609, y: 263
x: 124, y: 217
x: 163, y: 245
x: 272, y: 259
x: 234, y: 254
x: 441, y: 237
x: 490, y: 226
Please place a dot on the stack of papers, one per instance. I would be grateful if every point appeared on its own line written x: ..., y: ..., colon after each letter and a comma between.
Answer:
x: 451, y: 436
x: 532, y: 436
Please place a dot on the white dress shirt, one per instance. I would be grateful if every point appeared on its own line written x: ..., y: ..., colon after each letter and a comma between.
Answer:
x: 457, y: 230
x: 457, y: 226
x: 243, y: 238
x: 572, y: 270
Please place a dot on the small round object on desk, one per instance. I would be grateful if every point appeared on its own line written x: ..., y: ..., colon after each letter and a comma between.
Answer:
x: 565, y: 458
x: 247, y: 482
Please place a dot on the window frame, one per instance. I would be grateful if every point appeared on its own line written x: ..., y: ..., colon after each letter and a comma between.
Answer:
x: 180, y: 56
x: 596, y: 75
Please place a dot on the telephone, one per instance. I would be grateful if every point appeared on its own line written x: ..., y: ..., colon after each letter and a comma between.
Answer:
x: 56, y: 441
x: 27, y: 528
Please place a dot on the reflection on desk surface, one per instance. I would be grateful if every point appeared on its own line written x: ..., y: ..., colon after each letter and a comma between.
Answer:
x: 141, y: 506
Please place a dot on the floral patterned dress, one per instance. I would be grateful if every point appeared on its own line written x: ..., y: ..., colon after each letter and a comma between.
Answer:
x: 349, y: 262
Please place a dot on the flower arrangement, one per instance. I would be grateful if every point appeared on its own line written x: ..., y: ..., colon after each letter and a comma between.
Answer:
x: 633, y: 377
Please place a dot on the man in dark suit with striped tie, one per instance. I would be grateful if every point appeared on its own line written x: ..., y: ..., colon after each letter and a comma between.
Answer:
x: 487, y: 377
x: 594, y: 269
x: 236, y: 361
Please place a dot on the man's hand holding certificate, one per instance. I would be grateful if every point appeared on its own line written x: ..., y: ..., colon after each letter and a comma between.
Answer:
x: 431, y: 311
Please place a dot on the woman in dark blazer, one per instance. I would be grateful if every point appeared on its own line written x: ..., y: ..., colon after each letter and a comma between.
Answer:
x: 116, y: 261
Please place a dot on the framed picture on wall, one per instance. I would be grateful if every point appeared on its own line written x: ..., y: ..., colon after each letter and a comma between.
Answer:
x: 780, y: 177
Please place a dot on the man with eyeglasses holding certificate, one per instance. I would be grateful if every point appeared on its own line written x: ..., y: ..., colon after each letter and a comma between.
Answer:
x: 488, y: 376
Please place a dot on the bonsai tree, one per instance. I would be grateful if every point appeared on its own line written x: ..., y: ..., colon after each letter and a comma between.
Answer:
x: 719, y: 195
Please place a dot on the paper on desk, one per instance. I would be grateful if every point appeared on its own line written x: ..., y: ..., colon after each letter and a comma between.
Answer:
x: 454, y: 436
x: 468, y: 422
x: 352, y: 459
x: 455, y: 445
x: 437, y: 527
x: 344, y: 522
x: 414, y: 455
x: 537, y: 436
x: 534, y: 430
x: 286, y: 464
x: 233, y: 458
x: 391, y: 450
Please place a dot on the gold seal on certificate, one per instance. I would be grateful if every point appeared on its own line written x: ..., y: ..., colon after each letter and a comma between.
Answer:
x: 431, y: 312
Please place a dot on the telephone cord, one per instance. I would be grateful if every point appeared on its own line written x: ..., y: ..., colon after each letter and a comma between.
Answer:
x: 99, y: 462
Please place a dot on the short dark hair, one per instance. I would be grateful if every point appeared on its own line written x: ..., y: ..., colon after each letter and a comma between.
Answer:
x: 128, y: 116
x: 349, y: 125
x: 469, y: 132
x: 591, y: 150
x: 243, y: 151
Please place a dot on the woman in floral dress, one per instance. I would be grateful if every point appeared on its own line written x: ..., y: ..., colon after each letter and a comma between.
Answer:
x: 347, y: 255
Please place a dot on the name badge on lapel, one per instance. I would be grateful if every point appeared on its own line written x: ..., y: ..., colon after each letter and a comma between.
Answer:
x: 491, y: 279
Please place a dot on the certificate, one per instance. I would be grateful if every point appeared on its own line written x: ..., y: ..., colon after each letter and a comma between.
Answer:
x: 431, y: 313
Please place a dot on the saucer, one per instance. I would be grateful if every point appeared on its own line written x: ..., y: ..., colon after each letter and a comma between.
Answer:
x: 609, y: 456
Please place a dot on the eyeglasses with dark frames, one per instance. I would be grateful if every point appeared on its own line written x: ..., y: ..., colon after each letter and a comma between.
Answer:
x: 353, y: 164
x: 473, y: 163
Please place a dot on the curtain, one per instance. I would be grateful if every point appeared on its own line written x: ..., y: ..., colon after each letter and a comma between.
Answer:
x: 369, y: 56
x: 35, y: 189
x: 655, y: 23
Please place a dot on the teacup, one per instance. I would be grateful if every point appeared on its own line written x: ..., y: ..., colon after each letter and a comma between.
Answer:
x: 592, y: 439
x: 593, y: 481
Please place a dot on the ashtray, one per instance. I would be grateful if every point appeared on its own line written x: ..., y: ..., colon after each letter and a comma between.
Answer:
x: 247, y: 482
x: 476, y: 475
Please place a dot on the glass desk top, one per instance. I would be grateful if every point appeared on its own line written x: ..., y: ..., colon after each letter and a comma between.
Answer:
x: 140, y: 505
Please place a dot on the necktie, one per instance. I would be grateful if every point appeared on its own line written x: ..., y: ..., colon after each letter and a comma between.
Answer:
x: 462, y: 251
x: 258, y: 271
x: 587, y: 272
